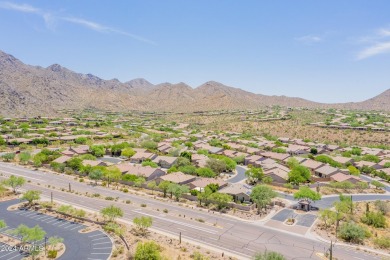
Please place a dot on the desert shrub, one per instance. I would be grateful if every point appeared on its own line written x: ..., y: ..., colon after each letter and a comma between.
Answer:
x: 375, y: 219
x: 382, y: 242
x: 352, y: 232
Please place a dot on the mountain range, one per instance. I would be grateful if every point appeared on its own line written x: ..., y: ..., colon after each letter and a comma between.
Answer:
x: 34, y: 90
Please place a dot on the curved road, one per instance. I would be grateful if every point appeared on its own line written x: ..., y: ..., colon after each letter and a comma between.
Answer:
x: 227, y: 234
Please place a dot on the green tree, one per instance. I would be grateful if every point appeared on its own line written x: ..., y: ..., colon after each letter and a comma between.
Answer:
x: 307, y: 194
x: 143, y: 223
x: 182, y: 161
x: 31, y: 196
x: 139, y: 181
x: 150, y: 145
x: 147, y: 251
x: 328, y: 217
x: 97, y: 150
x: 152, y: 185
x: 111, y: 213
x: 299, y: 174
x: 164, y: 185
x: 353, y: 170
x: 8, y: 157
x: 204, y: 195
x: 205, y: 172
x: 292, y: 162
x: 216, y: 165
x: 75, y: 163
x: 127, y: 152
x: 269, y: 256
x: 262, y: 195
x: 113, y: 174
x: 177, y: 190
x: 30, y: 235
x: 150, y: 163
x: 221, y: 199
x: 15, y: 182
x: 254, y: 175
x: 96, y: 174
x: 24, y: 157
x: 53, y: 241
x: 378, y: 184
x: 230, y: 164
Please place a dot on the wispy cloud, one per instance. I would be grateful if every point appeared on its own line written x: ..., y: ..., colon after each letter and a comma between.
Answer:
x: 376, y: 44
x: 51, y: 20
x: 309, y: 39
x: 25, y: 8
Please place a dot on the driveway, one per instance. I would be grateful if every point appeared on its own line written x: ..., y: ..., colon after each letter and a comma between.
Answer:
x: 240, y: 176
x: 93, y: 245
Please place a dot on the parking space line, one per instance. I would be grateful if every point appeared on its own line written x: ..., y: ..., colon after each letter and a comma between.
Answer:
x: 38, y: 215
x: 7, y: 254
x: 56, y: 223
x: 66, y: 222
x: 79, y: 226
x: 99, y: 238
x: 96, y: 235
x: 101, y: 243
x: 44, y: 218
x: 14, y: 256
x: 68, y: 226
x: 52, y: 220
x: 102, y: 248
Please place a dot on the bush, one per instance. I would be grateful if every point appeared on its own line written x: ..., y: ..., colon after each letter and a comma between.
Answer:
x: 147, y: 251
x: 352, y: 232
x: 375, y: 219
x: 109, y: 198
x: 269, y: 256
x: 52, y: 254
x: 382, y: 242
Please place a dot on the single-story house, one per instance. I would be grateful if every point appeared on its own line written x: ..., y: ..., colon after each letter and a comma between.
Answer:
x: 62, y: 159
x: 276, y: 156
x: 177, y: 177
x: 326, y: 171
x: 200, y: 183
x: 149, y: 173
x: 340, y: 177
x: 342, y: 160
x: 278, y: 175
x: 239, y: 192
x: 165, y: 161
x: 139, y: 157
x: 312, y: 165
x: 199, y: 160
x: 95, y: 163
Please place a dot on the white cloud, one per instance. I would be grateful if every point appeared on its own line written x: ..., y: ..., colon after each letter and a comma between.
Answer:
x: 25, y: 8
x: 309, y: 39
x: 51, y: 20
x: 377, y: 44
x: 376, y: 49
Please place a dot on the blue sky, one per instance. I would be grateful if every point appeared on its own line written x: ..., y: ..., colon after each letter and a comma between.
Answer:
x: 327, y: 51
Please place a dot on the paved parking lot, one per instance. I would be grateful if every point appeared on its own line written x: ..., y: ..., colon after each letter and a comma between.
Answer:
x: 8, y: 253
x: 94, y: 245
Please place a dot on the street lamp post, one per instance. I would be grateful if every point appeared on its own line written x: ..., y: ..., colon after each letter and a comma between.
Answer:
x: 45, y: 245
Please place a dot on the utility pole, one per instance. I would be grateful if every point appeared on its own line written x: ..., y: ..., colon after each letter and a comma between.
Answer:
x: 179, y: 237
x: 70, y: 188
x: 51, y: 197
x: 331, y: 251
x: 351, y: 206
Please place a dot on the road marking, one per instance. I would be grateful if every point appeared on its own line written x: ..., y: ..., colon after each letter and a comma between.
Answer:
x: 179, y: 223
x: 14, y: 257
x: 102, y: 243
x: 100, y: 253
x: 70, y: 225
x: 64, y: 224
x: 102, y: 248
x: 7, y: 254
x: 24, y: 176
x: 99, y: 238
x: 96, y: 235
x: 94, y: 259
x: 51, y: 220
x: 36, y: 216
x: 78, y: 226
x: 43, y: 217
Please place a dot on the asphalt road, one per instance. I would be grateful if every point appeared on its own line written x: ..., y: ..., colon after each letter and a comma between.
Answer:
x: 93, y: 245
x: 239, y: 176
x: 239, y: 237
